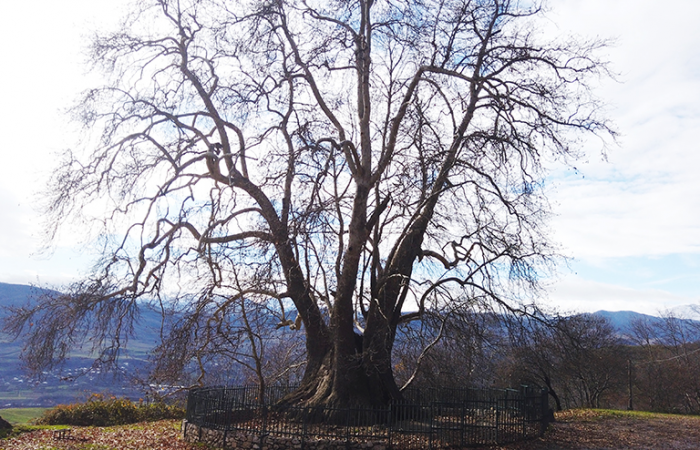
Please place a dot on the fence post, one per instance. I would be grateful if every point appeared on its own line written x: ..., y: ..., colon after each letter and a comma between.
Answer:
x: 263, y: 410
x: 390, y: 422
x: 544, y: 411
x: 630, y: 404
x: 524, y: 410
x: 498, y: 417
x: 304, y: 419
x: 347, y: 428
x: 431, y: 429
x: 463, y: 417
x: 219, y: 401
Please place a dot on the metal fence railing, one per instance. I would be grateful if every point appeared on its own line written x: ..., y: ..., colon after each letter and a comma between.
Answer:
x: 425, y: 418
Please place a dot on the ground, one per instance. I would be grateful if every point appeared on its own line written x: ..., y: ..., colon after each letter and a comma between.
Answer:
x: 163, y: 435
x: 616, y: 430
x: 576, y: 430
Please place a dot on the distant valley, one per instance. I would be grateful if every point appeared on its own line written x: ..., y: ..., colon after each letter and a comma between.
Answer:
x: 77, y: 380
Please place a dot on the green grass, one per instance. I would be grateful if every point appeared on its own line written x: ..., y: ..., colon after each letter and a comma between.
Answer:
x: 19, y: 429
x: 601, y: 414
x: 640, y: 414
x: 21, y: 416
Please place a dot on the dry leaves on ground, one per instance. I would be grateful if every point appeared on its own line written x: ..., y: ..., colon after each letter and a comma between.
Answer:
x: 574, y: 430
x: 598, y: 430
x: 143, y: 436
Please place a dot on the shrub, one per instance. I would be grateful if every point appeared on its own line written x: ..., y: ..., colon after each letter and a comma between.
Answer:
x: 101, y: 411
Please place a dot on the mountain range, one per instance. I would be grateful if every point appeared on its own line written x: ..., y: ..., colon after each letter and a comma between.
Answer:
x: 77, y: 379
x: 17, y: 390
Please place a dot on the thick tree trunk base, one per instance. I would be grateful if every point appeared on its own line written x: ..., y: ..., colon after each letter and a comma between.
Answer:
x: 356, y: 397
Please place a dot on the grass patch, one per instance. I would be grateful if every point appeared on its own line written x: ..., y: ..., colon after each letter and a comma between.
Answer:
x: 21, y: 416
x: 603, y: 414
x: 20, y: 429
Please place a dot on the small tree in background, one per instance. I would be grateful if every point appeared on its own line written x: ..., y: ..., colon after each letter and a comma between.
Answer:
x: 577, y: 358
x: 666, y: 369
x: 457, y: 349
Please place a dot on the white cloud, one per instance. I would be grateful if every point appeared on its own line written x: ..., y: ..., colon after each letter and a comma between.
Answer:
x: 646, y: 199
x: 15, y: 229
x: 575, y: 294
x: 20, y: 237
x: 42, y: 43
x: 626, y: 219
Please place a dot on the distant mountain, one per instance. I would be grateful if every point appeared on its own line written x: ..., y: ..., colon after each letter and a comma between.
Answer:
x: 17, y: 294
x: 657, y: 327
x: 17, y: 390
x: 623, y: 320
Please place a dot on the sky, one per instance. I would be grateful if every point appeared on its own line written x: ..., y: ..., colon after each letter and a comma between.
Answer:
x: 629, y: 220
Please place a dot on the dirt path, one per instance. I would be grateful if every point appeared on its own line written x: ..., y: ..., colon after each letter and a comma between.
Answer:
x: 616, y: 430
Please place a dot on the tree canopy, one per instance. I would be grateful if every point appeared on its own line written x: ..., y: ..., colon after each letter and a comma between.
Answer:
x: 358, y: 161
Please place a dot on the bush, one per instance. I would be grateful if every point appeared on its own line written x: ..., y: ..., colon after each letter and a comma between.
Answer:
x: 101, y: 411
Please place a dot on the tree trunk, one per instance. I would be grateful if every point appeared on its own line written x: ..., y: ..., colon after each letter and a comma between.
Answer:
x: 552, y: 392
x: 360, y: 378
x: 367, y: 385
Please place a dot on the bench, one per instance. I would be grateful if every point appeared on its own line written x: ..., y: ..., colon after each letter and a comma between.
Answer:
x: 63, y: 433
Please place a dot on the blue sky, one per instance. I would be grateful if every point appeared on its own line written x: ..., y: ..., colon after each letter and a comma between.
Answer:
x: 630, y: 222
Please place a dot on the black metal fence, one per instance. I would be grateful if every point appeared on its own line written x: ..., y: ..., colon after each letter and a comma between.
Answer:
x: 425, y: 418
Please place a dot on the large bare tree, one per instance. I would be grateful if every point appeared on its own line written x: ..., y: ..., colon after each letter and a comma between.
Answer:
x: 357, y: 161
